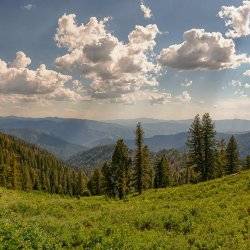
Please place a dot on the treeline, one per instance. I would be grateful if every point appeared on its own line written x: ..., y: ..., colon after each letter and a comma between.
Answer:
x: 26, y: 167
x: 205, y: 159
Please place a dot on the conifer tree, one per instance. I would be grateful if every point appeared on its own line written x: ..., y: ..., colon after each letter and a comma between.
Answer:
x: 81, y: 187
x: 220, y: 159
x: 139, y: 159
x: 3, y: 175
x: 148, y: 171
x: 108, y: 180
x: 195, y: 146
x: 95, y: 183
x: 232, y: 156
x: 27, y: 183
x: 209, y: 147
x: 162, y: 173
x: 247, y: 164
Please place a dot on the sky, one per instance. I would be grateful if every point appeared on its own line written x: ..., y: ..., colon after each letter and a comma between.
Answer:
x: 113, y: 59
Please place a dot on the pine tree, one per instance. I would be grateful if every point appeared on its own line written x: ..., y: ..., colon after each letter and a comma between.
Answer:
x: 95, y: 183
x: 232, y: 156
x: 162, y: 173
x: 220, y: 159
x: 195, y: 146
x: 209, y: 147
x: 81, y: 183
x: 247, y: 164
x: 148, y: 171
x: 108, y: 180
x: 139, y: 159
x: 27, y: 183
x: 3, y: 175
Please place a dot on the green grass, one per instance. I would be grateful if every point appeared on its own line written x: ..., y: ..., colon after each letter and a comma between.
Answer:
x: 211, y: 215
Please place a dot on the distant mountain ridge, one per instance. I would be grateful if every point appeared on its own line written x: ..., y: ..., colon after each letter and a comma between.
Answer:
x: 68, y: 136
x: 97, y: 155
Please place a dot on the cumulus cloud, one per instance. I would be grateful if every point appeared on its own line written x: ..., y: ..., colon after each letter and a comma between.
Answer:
x: 202, y: 50
x: 239, y: 88
x: 28, y: 6
x: 237, y: 19
x: 18, y: 81
x: 187, y: 83
x: 184, y: 97
x: 113, y: 67
x: 247, y: 73
x: 154, y: 96
x: 147, y: 13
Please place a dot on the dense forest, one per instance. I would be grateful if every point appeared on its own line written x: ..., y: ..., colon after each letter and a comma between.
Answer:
x: 26, y: 167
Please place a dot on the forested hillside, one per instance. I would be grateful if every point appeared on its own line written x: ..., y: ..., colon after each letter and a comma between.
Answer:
x: 59, y: 147
x: 25, y: 166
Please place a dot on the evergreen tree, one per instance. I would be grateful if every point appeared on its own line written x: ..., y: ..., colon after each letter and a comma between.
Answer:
x: 148, y: 171
x: 3, y: 175
x: 27, y: 183
x: 232, y: 156
x: 162, y: 173
x: 139, y: 159
x: 81, y: 183
x: 108, y: 180
x: 220, y: 159
x: 247, y: 164
x: 209, y: 147
x: 195, y: 146
x: 95, y: 183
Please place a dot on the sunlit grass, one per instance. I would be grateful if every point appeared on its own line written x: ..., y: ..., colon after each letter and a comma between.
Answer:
x: 211, y: 215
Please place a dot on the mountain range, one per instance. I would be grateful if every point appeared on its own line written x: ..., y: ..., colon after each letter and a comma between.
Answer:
x: 68, y: 138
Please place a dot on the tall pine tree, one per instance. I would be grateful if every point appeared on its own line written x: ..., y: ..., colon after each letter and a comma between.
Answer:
x: 139, y: 158
x: 232, y: 156
x: 209, y: 147
x: 195, y: 146
x: 162, y: 173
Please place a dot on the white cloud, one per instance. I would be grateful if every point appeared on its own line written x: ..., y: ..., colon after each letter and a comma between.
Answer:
x: 202, y: 50
x: 236, y: 83
x: 184, y: 97
x: 112, y: 67
x: 28, y: 6
x: 237, y: 19
x: 247, y: 73
x: 18, y: 81
x: 187, y: 83
x: 147, y: 13
x: 154, y: 96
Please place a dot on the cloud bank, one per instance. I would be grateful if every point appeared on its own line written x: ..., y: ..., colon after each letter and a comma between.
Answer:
x: 202, y: 50
x: 18, y: 80
x: 113, y: 68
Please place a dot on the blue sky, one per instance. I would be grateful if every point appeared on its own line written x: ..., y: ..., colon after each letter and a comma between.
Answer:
x: 30, y: 26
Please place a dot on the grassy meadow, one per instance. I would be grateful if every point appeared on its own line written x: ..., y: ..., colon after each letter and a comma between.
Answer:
x: 210, y: 215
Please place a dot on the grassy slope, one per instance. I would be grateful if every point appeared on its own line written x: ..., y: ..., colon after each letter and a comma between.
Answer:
x: 203, y: 216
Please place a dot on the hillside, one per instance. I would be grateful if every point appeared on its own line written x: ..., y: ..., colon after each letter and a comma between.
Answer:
x: 60, y: 148
x: 92, y: 157
x: 97, y: 155
x: 211, y: 215
x: 25, y: 166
